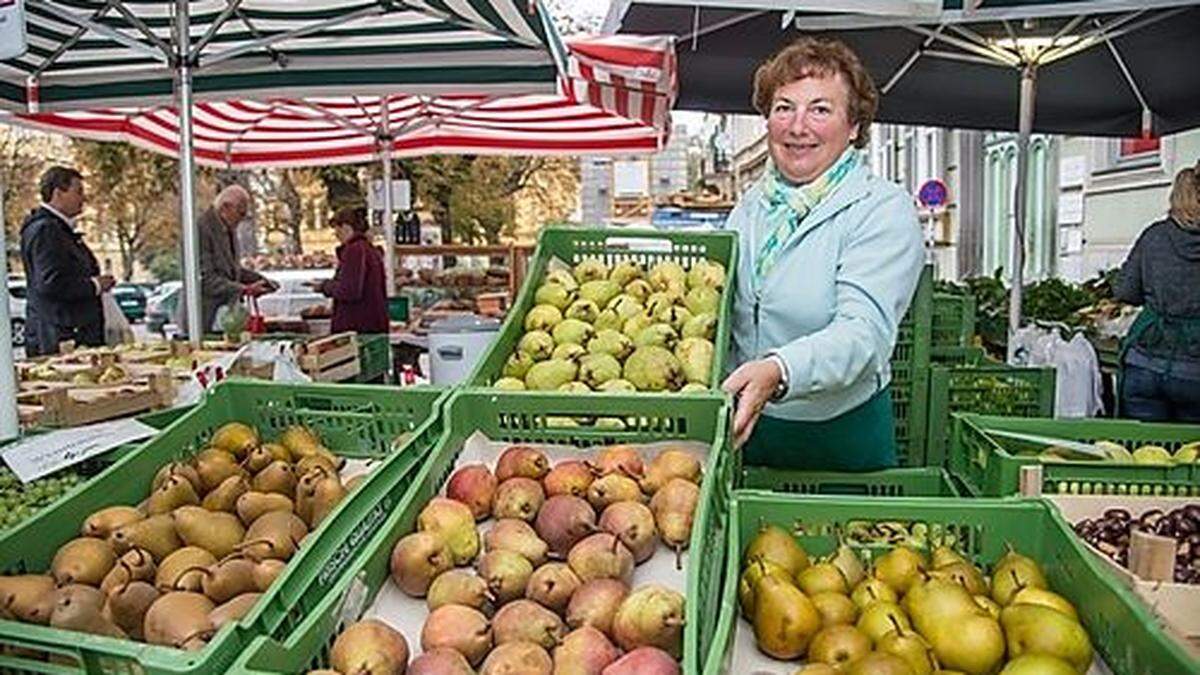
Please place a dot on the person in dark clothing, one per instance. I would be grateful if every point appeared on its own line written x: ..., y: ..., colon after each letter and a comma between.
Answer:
x: 63, y: 277
x: 358, y: 287
x: 1160, y: 356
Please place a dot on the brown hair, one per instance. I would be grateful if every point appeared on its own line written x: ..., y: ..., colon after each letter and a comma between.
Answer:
x: 353, y: 216
x: 57, y: 178
x: 1185, y: 197
x: 810, y: 56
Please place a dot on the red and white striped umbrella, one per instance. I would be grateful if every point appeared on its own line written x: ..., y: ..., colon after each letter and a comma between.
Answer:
x: 615, y: 98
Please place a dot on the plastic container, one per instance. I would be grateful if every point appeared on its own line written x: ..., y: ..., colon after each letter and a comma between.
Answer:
x: 456, y: 344
x: 910, y: 381
x: 987, y: 390
x: 989, y: 464
x: 374, y: 357
x: 612, y: 246
x: 1122, y: 630
x: 953, y: 320
x: 912, y: 482
x: 530, y: 417
x: 358, y: 421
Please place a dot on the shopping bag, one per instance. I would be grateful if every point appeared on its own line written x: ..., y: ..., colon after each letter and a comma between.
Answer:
x: 116, y: 327
x: 255, y: 323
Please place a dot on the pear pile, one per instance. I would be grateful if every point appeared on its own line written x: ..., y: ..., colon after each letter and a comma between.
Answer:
x: 624, y: 328
x: 909, y: 614
x: 528, y: 568
x: 1115, y: 453
x: 212, y: 535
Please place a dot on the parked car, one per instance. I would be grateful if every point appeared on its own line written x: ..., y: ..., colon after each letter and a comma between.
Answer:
x: 160, y: 306
x: 132, y: 301
x: 16, y: 310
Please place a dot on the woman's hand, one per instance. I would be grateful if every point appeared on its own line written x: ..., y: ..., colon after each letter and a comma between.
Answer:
x: 752, y: 385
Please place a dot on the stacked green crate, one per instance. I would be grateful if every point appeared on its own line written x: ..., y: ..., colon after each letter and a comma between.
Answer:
x: 910, y: 381
x: 953, y: 323
x: 374, y: 357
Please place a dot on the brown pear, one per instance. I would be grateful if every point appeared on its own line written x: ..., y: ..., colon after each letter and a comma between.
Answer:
x: 324, y: 498
x: 563, y: 521
x: 527, y: 621
x: 28, y: 597
x: 266, y: 572
x: 506, y: 574
x: 518, y: 658
x: 458, y: 587
x: 596, y: 603
x: 369, y: 646
x: 460, y: 628
x: 278, y: 477
x: 651, y: 616
x: 632, y: 523
x: 667, y: 465
x: 277, y: 451
x: 251, y: 505
x: 515, y: 535
x: 552, y: 586
x: 179, y: 619
x: 611, y: 489
x: 236, y: 438
x: 417, y: 560
x: 601, y: 556
x: 183, y: 569
x: 584, y: 651
x: 217, y: 532
x: 258, y: 459
x: 519, y: 498
x: 521, y: 461
x: 127, y: 606
x: 102, y: 523
x: 134, y: 565
x: 176, y: 491
x: 274, y: 534
x: 213, y: 466
x: 619, y: 459
x: 674, y: 507
x: 233, y: 609
x: 307, y: 465
x: 474, y: 486
x: 571, y: 477
x: 225, y: 496
x: 79, y: 607
x: 155, y: 534
x: 178, y: 469
x: 229, y: 578
x: 84, y: 560
x: 440, y: 661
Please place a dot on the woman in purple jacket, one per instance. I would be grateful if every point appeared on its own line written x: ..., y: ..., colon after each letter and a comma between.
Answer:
x: 358, y: 288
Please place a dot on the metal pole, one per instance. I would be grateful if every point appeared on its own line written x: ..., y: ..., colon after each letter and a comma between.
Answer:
x: 389, y: 217
x: 1024, y: 131
x: 9, y: 424
x: 187, y: 186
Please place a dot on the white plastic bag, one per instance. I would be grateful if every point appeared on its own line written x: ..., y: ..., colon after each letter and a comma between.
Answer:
x: 116, y: 327
x: 1078, y: 383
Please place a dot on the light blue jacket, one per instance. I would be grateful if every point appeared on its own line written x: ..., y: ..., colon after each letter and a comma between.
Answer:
x: 831, y: 305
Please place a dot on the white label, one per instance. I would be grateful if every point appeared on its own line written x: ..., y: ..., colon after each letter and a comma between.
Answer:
x: 1070, y: 207
x: 631, y: 178
x: 354, y: 602
x: 1072, y: 171
x: 44, y: 454
x: 13, y: 40
x: 639, y: 244
x: 401, y: 195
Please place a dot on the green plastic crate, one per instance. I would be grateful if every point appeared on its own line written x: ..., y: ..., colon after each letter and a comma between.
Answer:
x: 953, y: 320
x: 987, y: 390
x: 359, y: 421
x: 1122, y: 629
x: 910, y: 482
x: 910, y: 364
x: 611, y: 246
x: 374, y: 357
x: 989, y: 464
x: 960, y: 356
x: 518, y: 418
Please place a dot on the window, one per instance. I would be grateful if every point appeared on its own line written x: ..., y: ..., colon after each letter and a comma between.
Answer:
x: 1131, y: 148
x: 1000, y: 180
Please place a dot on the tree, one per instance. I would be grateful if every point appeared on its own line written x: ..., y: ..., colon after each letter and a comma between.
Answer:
x: 134, y: 196
x: 24, y: 155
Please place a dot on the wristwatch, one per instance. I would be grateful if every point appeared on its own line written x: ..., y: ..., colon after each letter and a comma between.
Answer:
x: 781, y: 389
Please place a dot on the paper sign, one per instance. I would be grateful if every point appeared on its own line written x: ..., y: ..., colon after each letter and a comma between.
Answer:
x: 44, y: 454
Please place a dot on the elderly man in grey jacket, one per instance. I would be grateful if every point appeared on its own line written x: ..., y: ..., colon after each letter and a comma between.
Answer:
x: 223, y: 280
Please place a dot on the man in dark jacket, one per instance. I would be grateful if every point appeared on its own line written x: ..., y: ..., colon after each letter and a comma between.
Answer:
x: 63, y: 277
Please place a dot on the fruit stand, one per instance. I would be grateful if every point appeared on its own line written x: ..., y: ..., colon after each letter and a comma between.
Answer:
x: 577, y: 506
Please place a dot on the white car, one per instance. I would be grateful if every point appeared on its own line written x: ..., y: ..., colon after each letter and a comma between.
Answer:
x: 293, y: 296
x: 16, y: 310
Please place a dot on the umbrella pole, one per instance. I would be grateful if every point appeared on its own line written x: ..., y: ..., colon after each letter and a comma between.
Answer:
x: 9, y: 425
x: 389, y: 218
x: 187, y: 196
x: 1024, y: 131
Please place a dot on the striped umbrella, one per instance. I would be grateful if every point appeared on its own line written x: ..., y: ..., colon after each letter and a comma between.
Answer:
x: 615, y: 98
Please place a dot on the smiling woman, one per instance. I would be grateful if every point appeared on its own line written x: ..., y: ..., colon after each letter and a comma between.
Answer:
x: 834, y: 254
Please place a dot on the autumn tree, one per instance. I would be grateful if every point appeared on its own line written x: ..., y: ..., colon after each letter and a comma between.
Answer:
x: 134, y: 196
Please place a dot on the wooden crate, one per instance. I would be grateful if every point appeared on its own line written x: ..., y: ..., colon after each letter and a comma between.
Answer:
x: 333, y: 358
x: 63, y: 404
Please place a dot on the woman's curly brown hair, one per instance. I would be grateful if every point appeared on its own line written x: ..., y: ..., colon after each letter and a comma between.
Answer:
x: 811, y: 56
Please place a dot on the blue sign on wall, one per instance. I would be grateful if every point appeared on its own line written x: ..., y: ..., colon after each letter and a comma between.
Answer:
x: 933, y: 193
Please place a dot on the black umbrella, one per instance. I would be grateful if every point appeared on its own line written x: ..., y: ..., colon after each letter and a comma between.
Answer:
x: 1101, y: 67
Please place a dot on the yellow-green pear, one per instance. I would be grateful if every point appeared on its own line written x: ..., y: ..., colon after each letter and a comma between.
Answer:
x: 785, y: 620
x: 821, y: 578
x: 777, y: 545
x: 870, y: 590
x: 944, y: 555
x: 1036, y: 629
x: 900, y: 568
x: 879, y: 663
x: 964, y: 574
x: 911, y: 647
x: 972, y: 644
x: 988, y: 605
x: 1038, y: 664
x: 1014, y: 572
x: 839, y: 645
x: 1041, y: 596
x: 747, y: 585
x: 880, y: 618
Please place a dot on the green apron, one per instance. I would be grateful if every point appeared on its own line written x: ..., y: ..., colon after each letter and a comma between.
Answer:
x: 862, y: 439
x: 1156, y: 330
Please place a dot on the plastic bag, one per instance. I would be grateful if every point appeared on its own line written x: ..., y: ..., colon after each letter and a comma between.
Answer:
x: 1077, y: 381
x: 116, y: 327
